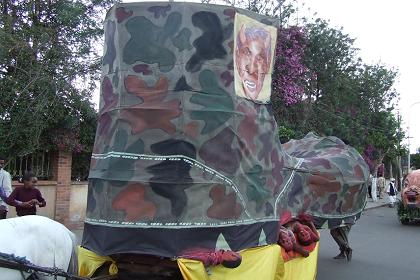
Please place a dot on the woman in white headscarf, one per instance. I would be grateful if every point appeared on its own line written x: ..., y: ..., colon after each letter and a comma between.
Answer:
x: 392, y: 192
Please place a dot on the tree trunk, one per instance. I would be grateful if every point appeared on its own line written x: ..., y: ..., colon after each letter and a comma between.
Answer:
x: 390, y: 169
x: 399, y: 173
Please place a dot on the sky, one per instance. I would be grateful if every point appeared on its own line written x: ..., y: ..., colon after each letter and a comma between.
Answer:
x: 387, y: 32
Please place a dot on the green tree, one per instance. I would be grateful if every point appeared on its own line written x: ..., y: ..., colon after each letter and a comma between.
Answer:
x: 342, y: 97
x: 281, y: 9
x: 332, y: 61
x: 415, y: 160
x: 48, y: 66
x: 346, y: 98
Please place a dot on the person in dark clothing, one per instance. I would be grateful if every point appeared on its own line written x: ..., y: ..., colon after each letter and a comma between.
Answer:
x: 26, y: 197
x: 370, y: 186
x: 340, y: 234
x: 339, y: 230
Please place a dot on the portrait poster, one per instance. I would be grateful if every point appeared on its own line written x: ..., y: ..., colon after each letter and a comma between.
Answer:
x: 254, y: 46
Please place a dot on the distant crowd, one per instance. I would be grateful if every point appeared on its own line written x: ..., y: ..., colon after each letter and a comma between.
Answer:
x: 377, y: 187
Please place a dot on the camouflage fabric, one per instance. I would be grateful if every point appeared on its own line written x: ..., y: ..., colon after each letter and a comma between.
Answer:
x: 331, y: 184
x: 180, y: 160
x: 333, y: 178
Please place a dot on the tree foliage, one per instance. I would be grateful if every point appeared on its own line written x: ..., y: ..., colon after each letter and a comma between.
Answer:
x: 48, y: 66
x: 290, y: 75
x: 344, y: 97
x: 415, y: 160
x: 320, y: 84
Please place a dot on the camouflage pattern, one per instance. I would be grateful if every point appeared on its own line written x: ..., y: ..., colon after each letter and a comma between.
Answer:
x: 333, y: 178
x: 177, y: 151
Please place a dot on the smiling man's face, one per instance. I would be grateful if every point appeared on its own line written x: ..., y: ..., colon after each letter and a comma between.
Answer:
x: 252, y: 62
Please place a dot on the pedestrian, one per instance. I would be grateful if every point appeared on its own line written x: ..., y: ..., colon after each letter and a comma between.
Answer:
x: 26, y: 197
x: 392, y: 192
x: 381, y: 187
x: 340, y: 233
x: 6, y: 183
x: 381, y: 180
x: 373, y: 189
x: 370, y: 186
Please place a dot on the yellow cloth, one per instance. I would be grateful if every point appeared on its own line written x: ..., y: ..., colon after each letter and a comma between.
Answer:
x: 260, y: 261
x: 89, y: 262
x: 300, y: 268
x: 257, y: 263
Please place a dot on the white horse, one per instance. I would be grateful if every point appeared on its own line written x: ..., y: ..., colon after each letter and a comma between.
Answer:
x: 41, y: 241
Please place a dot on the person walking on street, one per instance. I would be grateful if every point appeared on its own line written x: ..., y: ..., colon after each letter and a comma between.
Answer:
x: 381, y: 187
x: 6, y: 183
x: 392, y: 192
x: 381, y: 180
x: 340, y: 233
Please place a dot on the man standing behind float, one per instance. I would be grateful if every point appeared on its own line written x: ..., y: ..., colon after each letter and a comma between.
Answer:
x: 6, y: 183
x: 340, y: 233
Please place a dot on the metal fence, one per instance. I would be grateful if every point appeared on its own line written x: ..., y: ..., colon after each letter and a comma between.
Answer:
x: 39, y: 163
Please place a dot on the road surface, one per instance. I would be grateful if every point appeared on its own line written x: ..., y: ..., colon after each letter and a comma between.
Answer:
x: 383, y: 249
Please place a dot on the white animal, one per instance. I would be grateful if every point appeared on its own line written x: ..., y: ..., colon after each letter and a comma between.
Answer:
x: 42, y: 241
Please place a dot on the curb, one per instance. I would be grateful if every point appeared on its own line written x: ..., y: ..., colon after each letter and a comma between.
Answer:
x: 376, y: 206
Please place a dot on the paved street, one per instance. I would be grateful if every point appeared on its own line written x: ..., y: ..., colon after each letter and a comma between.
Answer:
x: 383, y: 249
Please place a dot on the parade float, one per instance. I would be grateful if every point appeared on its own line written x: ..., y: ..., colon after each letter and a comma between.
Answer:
x: 188, y: 176
x: 409, y: 206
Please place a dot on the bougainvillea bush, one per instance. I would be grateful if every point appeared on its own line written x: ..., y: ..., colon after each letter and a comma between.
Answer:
x: 290, y: 72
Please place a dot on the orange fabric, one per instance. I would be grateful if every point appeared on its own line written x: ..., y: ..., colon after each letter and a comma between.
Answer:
x: 287, y: 256
x: 300, y: 268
